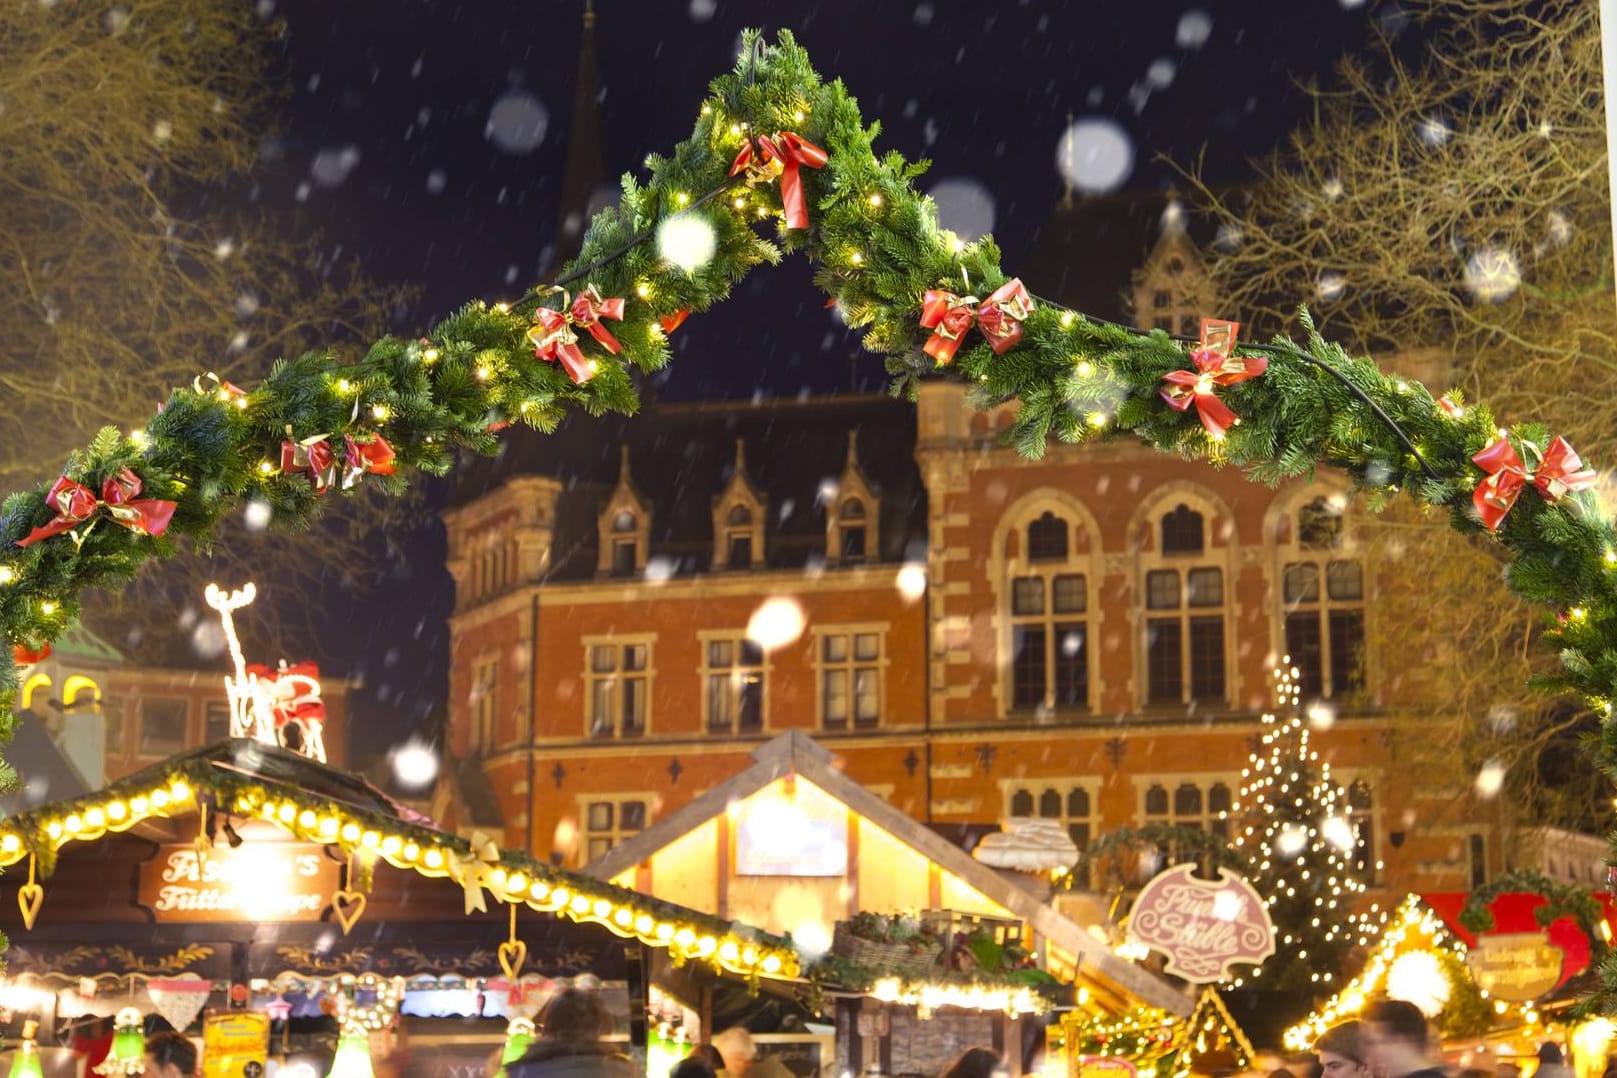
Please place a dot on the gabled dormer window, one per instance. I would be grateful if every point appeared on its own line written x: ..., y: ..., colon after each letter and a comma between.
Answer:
x: 624, y: 527
x: 850, y: 517
x: 738, y: 520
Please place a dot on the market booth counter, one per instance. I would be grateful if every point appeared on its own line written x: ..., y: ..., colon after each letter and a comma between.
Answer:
x: 246, y: 877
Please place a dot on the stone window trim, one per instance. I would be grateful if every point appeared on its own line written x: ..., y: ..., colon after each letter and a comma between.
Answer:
x: 739, y: 513
x: 589, y: 676
x: 1204, y: 781
x: 483, y: 699
x: 625, y: 519
x: 615, y: 833
x: 1063, y: 786
x: 1217, y: 564
x: 735, y: 637
x: 1010, y: 561
x: 823, y: 666
x: 1339, y: 618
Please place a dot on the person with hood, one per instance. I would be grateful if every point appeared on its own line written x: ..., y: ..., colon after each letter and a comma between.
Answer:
x: 570, y: 1045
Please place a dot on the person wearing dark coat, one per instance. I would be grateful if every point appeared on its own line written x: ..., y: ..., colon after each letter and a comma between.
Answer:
x: 570, y: 1046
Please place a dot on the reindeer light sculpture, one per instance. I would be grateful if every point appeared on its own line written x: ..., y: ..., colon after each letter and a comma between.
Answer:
x: 269, y: 705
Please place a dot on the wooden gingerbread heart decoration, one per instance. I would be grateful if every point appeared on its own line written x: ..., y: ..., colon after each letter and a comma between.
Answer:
x: 513, y: 953
x: 30, y: 896
x: 347, y: 907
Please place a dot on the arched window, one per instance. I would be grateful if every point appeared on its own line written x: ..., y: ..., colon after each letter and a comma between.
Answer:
x: 1049, y: 618
x: 1185, y: 613
x: 1323, y: 590
x: 1156, y: 801
x: 623, y: 529
x: 1047, y: 539
x: 1182, y: 531
x: 738, y: 515
x: 624, y: 521
x: 1021, y: 803
x: 1201, y: 804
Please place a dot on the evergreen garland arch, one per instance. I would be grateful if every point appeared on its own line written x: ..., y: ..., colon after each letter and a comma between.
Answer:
x: 412, y: 405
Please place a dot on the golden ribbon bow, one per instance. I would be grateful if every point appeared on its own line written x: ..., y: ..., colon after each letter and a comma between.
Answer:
x: 471, y: 870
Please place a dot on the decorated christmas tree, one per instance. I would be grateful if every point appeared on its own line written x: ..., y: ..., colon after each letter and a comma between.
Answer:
x: 1296, y: 830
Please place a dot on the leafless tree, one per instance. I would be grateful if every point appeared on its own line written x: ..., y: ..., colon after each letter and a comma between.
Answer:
x: 1451, y: 199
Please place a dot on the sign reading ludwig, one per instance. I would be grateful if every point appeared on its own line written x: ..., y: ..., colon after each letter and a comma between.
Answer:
x: 257, y: 881
x: 1202, y: 926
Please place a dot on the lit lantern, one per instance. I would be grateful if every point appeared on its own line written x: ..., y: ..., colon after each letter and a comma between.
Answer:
x: 25, y: 1063
x: 128, y: 1054
x: 353, y: 1058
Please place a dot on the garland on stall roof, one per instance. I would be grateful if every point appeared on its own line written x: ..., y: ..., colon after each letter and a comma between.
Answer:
x: 773, y: 143
x: 193, y: 781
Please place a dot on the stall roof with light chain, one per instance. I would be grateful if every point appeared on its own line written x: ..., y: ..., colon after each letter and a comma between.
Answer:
x: 242, y: 782
x: 1157, y: 1044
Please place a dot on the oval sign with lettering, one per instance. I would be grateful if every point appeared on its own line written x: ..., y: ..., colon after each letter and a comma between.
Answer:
x: 1518, y: 967
x: 1203, y: 927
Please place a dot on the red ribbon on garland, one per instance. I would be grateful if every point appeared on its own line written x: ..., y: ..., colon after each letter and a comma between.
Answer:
x: 999, y: 317
x: 671, y: 322
x: 23, y: 655
x: 555, y: 342
x: 788, y: 152
x: 313, y: 455
x: 1214, y: 366
x: 374, y: 456
x: 1560, y: 472
x: 76, y: 503
x: 588, y: 310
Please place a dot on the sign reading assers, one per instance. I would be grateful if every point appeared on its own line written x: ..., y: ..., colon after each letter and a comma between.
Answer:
x: 1202, y: 926
x: 257, y: 881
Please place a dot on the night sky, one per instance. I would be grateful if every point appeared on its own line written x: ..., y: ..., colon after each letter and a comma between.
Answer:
x: 426, y: 139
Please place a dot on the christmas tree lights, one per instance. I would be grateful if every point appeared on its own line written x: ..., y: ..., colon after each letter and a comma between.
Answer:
x: 1297, y: 834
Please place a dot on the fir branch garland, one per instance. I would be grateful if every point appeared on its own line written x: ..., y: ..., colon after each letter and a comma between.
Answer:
x: 878, y: 249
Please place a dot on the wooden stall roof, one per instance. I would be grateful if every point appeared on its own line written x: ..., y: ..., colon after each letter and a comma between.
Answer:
x: 249, y: 781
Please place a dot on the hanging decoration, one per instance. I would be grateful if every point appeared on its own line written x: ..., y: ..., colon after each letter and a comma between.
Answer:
x: 30, y: 896
x: 519, y: 1034
x: 353, y: 1056
x: 999, y: 318
x: 179, y: 999
x: 128, y: 1054
x: 365, y: 454
x: 312, y: 455
x: 513, y: 952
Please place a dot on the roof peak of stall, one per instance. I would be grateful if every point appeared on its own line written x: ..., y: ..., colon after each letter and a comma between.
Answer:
x: 795, y: 753
x: 315, y: 802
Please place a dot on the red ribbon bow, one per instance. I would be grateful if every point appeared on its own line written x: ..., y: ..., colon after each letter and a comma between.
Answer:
x: 949, y: 316
x: 374, y: 456
x: 555, y: 342
x: 313, y: 455
x: 588, y: 310
x: 76, y: 503
x: 1560, y: 472
x: 1214, y: 367
x: 22, y: 655
x: 671, y: 322
x: 788, y: 151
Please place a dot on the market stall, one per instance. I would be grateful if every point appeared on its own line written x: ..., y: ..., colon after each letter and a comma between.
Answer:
x: 247, y: 877
x: 1496, y: 971
x: 1148, y: 1043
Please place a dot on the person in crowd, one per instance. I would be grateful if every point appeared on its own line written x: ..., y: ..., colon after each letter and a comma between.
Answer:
x: 977, y: 1063
x: 692, y: 1066
x: 1398, y: 1042
x: 1551, y: 1064
x: 569, y: 1045
x: 1304, y: 1065
x: 706, y: 1053
x: 1341, y: 1051
x: 741, y: 1059
x: 170, y: 1055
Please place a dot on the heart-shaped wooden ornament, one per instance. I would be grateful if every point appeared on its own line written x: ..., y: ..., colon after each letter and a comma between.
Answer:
x: 513, y: 953
x: 347, y: 907
x: 30, y: 896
